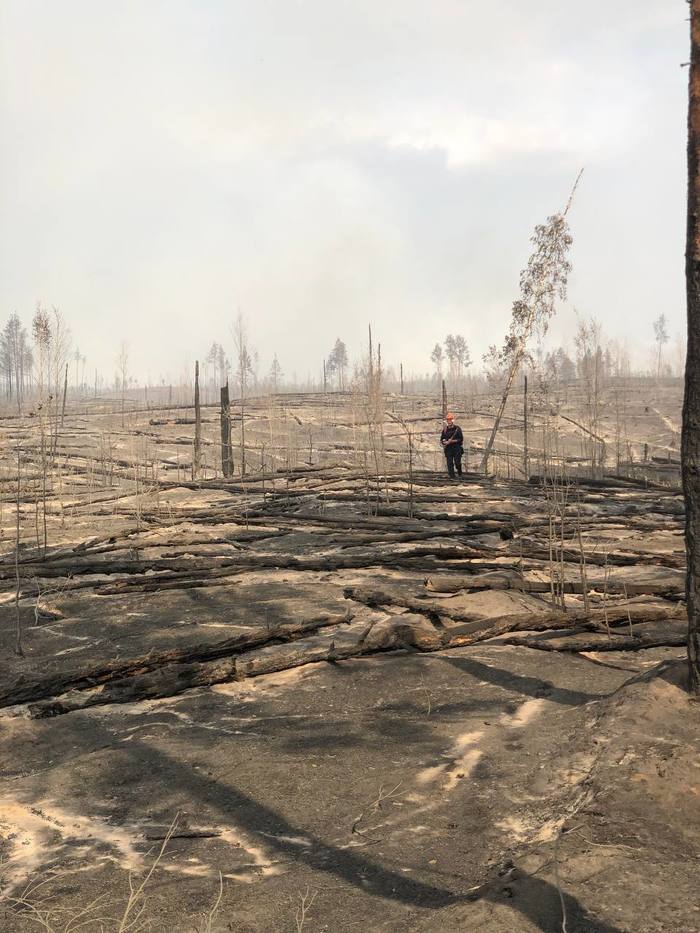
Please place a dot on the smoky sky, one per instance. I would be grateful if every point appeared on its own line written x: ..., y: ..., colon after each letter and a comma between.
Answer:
x: 321, y: 164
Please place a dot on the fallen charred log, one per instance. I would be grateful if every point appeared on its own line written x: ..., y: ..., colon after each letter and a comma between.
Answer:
x: 23, y: 691
x: 673, y: 585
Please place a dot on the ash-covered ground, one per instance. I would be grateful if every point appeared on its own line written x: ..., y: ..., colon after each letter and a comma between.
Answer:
x: 351, y: 698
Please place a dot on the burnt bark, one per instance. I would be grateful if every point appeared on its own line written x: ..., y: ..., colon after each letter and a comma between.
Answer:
x: 163, y: 673
x: 65, y: 393
x: 598, y: 619
x: 197, y: 458
x: 577, y: 643
x: 690, y: 441
x: 226, y: 451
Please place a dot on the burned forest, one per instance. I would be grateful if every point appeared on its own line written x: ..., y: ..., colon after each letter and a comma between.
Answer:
x: 340, y: 670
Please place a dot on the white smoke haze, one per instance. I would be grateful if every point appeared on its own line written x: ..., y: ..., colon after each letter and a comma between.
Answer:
x: 321, y: 164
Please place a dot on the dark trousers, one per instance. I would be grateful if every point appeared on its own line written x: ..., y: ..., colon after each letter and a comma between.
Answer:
x: 453, y: 455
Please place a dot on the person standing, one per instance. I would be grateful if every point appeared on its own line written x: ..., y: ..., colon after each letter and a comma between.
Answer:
x: 452, y: 441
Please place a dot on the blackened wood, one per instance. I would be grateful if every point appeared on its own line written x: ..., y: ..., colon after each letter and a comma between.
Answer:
x: 196, y: 462
x: 690, y: 438
x: 226, y: 449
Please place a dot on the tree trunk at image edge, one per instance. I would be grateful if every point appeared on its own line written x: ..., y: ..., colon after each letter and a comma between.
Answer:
x: 691, y: 403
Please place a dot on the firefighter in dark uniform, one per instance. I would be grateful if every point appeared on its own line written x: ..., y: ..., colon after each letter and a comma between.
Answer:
x: 452, y: 441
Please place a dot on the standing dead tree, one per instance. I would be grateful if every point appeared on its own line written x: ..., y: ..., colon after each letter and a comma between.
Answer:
x: 591, y: 371
x: 197, y: 458
x: 65, y: 395
x: 526, y: 454
x: 690, y: 450
x: 541, y: 282
x: 226, y: 451
x: 59, y: 344
x: 18, y: 619
x: 123, y: 364
x: 41, y: 331
x: 245, y: 370
x: 374, y: 419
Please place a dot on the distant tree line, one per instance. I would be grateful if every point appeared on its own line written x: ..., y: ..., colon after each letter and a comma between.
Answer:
x: 37, y: 363
x: 33, y: 361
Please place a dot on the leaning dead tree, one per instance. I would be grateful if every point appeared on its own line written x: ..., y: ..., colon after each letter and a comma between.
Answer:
x: 690, y: 457
x: 542, y: 282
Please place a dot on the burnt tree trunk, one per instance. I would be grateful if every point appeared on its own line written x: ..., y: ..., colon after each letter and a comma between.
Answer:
x: 196, y: 460
x: 65, y: 393
x: 226, y: 451
x: 690, y: 457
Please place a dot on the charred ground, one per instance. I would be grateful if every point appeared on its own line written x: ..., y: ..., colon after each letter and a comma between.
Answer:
x: 421, y: 704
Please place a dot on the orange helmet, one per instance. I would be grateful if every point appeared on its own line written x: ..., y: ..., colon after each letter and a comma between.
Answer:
x: 450, y: 416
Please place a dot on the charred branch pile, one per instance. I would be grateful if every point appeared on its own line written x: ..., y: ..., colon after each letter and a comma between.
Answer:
x: 471, y: 562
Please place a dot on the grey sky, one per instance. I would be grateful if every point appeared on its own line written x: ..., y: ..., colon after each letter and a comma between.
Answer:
x: 321, y: 163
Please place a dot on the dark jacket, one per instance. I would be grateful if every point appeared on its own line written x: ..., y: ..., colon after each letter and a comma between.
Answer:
x: 452, y: 433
